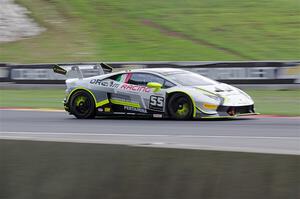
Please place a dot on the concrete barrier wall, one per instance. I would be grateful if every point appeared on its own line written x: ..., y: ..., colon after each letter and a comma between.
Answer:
x: 43, y: 170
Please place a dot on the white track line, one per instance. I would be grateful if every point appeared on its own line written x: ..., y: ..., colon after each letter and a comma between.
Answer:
x: 154, y: 135
x: 168, y: 141
x: 160, y: 145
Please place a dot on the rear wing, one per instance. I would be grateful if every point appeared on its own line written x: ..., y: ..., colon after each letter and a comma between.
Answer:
x: 99, y: 68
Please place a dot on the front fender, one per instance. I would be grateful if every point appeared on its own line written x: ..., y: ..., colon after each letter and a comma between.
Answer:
x: 205, y: 103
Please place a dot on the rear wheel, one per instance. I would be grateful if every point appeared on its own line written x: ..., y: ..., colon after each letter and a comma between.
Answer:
x: 180, y: 107
x: 82, y: 105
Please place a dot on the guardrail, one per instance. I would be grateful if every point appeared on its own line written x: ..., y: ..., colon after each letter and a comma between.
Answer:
x: 255, y: 72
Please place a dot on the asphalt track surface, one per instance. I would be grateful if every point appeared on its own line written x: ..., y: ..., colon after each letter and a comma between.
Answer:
x: 252, y: 134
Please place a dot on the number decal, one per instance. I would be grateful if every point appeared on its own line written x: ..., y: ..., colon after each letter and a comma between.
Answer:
x: 156, y: 103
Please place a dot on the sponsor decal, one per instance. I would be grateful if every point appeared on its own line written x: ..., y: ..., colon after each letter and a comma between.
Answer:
x: 100, y: 82
x: 127, y: 87
x: 131, y: 87
x: 95, y: 81
x: 141, y: 110
x: 113, y: 84
x: 100, y: 109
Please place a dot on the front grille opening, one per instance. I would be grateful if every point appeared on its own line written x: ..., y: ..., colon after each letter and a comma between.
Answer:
x: 233, y: 110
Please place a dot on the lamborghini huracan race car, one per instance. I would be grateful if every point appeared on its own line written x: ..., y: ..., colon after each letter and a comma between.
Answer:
x: 156, y: 92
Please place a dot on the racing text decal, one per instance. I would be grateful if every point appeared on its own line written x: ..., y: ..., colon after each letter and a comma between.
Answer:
x: 135, y: 88
x: 110, y: 84
x: 124, y: 86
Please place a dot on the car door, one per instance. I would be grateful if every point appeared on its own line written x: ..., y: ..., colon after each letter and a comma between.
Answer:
x: 133, y: 92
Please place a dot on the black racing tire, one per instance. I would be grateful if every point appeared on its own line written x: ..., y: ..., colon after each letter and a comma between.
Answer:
x: 82, y: 105
x: 180, y: 107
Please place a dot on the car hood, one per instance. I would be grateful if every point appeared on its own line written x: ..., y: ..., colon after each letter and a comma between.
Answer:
x: 233, y: 95
x: 220, y: 89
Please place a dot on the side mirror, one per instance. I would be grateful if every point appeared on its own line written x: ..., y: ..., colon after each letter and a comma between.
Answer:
x: 155, y: 85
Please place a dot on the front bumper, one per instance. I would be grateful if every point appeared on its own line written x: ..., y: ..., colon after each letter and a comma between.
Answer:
x: 236, y: 110
x: 228, y: 112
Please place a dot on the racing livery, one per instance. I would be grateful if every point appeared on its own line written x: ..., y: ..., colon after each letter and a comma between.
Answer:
x: 156, y: 92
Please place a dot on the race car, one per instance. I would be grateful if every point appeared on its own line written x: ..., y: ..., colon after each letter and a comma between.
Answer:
x: 156, y: 92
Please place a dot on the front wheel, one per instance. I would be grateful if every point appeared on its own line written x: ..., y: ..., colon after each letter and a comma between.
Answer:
x: 180, y: 107
x: 82, y: 105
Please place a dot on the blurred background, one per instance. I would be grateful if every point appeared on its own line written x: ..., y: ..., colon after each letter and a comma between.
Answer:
x: 133, y: 30
x: 254, y: 45
x: 62, y: 31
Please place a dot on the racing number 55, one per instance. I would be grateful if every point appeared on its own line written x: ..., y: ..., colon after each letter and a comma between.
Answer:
x: 156, y: 103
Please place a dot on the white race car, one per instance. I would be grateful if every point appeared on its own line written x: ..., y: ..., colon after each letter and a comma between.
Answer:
x: 156, y: 92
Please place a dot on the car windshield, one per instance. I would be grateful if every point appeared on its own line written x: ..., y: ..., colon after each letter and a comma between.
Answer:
x: 187, y: 78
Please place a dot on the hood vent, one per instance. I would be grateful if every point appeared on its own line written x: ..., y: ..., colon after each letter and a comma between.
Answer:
x: 219, y: 90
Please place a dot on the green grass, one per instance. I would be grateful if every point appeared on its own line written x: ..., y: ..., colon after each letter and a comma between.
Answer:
x: 283, y: 102
x: 134, y: 30
x: 29, y: 98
